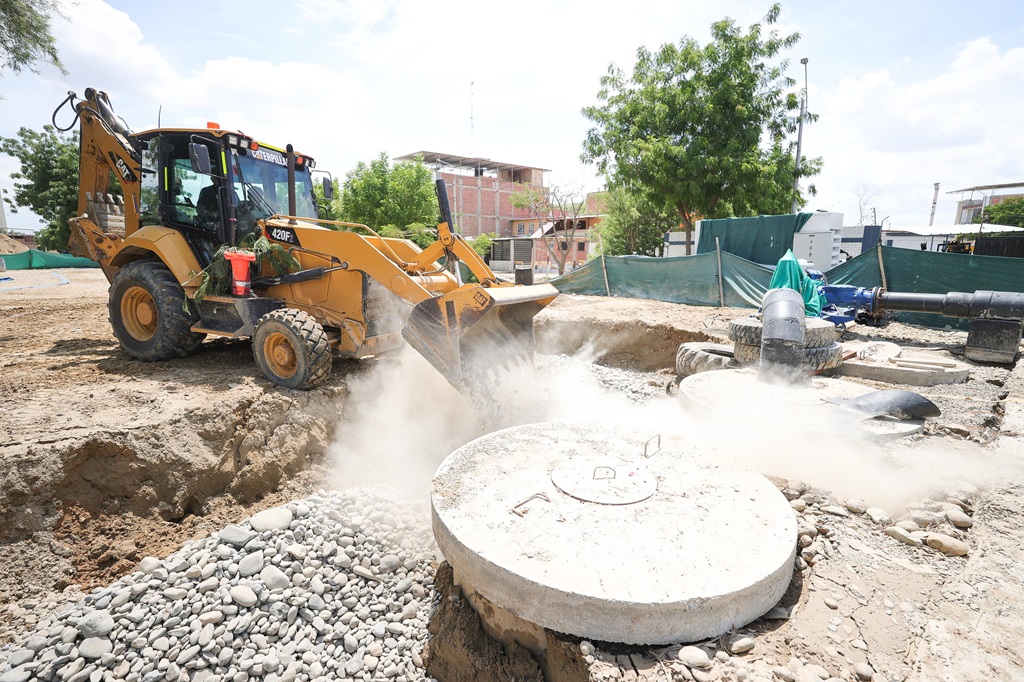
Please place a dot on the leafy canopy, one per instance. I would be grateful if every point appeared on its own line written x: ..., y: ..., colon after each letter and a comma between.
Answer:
x: 702, y: 130
x: 25, y: 37
x: 1007, y: 212
x: 47, y: 182
x: 633, y: 224
x: 379, y: 194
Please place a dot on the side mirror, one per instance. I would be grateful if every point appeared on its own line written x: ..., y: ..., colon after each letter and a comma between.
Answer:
x: 328, y: 188
x: 199, y: 154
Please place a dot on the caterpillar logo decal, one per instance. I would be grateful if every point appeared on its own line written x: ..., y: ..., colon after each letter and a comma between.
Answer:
x: 122, y: 168
x: 283, y: 234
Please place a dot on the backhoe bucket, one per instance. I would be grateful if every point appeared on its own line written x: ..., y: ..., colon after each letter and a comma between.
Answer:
x: 476, y: 326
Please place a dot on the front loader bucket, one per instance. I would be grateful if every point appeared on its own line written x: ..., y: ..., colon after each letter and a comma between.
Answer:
x: 476, y: 326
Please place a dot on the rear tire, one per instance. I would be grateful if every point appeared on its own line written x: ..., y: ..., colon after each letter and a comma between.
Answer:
x: 292, y: 349
x: 147, y: 313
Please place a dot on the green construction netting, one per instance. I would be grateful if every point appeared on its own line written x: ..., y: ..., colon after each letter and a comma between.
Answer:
x: 760, y: 239
x: 32, y: 259
x: 694, y: 279
x: 684, y: 279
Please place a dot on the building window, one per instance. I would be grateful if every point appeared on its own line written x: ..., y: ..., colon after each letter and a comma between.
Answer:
x: 531, y: 228
x: 564, y: 246
x: 521, y: 228
x: 581, y: 247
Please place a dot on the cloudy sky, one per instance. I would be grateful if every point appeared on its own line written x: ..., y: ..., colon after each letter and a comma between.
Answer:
x: 908, y: 93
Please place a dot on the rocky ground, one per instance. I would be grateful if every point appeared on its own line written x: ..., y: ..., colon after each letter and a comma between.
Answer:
x: 131, y: 497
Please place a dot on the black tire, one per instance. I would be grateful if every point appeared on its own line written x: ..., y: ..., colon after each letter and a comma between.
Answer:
x: 292, y: 349
x: 696, y: 357
x: 747, y: 330
x: 147, y: 313
x: 815, y: 359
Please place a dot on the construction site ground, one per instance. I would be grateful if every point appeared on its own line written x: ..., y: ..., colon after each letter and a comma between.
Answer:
x: 105, y: 460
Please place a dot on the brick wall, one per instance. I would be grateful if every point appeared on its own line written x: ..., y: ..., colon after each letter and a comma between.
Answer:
x: 482, y: 204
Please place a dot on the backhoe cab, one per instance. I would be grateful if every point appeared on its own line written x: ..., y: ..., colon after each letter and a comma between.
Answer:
x: 189, y: 192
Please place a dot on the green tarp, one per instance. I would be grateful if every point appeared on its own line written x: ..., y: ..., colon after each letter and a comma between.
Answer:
x: 789, y: 275
x: 36, y: 260
x: 694, y: 279
x: 761, y: 239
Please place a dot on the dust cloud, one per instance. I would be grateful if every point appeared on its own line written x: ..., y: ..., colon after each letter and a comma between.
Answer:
x: 402, y: 419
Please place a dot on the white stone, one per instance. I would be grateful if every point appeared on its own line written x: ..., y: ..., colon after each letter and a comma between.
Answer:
x: 95, y: 624
x: 947, y: 545
x: 694, y: 657
x: 958, y: 518
x: 251, y: 564
x: 878, y: 516
x: 243, y: 595
x: 278, y: 518
x: 903, y: 536
x: 236, y: 535
x: 94, y: 647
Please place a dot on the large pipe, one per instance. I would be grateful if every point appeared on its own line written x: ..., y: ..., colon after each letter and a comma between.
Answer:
x: 783, y: 334
x: 999, y: 304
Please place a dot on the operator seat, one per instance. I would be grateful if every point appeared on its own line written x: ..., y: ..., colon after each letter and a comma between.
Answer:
x: 208, y: 207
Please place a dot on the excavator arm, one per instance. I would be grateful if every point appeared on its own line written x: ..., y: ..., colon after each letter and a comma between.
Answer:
x: 103, y: 220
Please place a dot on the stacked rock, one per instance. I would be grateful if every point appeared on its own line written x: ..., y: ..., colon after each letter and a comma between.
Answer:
x: 336, y: 586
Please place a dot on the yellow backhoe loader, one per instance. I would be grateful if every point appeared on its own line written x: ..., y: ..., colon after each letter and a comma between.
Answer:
x: 189, y: 192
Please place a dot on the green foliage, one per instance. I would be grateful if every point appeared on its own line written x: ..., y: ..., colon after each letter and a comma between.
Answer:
x: 216, y: 277
x: 25, y: 36
x: 533, y: 199
x: 379, y: 193
x: 482, y: 244
x: 702, y: 130
x: 634, y: 225
x: 48, y: 180
x: 1007, y: 212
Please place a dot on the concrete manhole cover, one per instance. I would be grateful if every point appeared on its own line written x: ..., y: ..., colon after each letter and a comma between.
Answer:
x: 572, y: 527
x: 604, y: 480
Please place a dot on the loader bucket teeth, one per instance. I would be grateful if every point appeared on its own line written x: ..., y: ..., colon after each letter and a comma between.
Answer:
x: 475, y: 325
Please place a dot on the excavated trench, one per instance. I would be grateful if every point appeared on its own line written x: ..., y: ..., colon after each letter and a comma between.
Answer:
x: 104, y: 460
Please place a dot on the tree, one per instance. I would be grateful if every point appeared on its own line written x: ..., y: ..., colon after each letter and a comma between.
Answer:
x: 47, y: 182
x: 634, y: 224
x: 25, y: 37
x: 703, y: 130
x: 559, y: 206
x: 1006, y: 212
x: 379, y: 193
x: 866, y: 193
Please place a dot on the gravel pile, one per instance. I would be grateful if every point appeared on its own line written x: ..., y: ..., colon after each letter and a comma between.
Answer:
x: 337, y: 586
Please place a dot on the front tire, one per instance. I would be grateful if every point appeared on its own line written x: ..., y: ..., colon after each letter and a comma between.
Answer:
x: 292, y: 349
x: 147, y: 313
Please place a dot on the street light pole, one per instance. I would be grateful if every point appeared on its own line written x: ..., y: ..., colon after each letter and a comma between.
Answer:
x: 799, y: 138
x: 981, y: 223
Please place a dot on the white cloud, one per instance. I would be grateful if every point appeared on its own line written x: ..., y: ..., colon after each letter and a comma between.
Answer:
x: 958, y: 127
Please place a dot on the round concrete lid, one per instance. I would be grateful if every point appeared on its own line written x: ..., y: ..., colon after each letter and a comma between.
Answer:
x: 713, y: 389
x: 546, y: 521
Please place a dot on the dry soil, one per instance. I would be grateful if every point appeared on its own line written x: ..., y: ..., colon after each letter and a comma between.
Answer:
x: 105, y: 459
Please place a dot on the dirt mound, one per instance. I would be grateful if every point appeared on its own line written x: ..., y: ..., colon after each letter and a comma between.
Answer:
x: 9, y: 246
